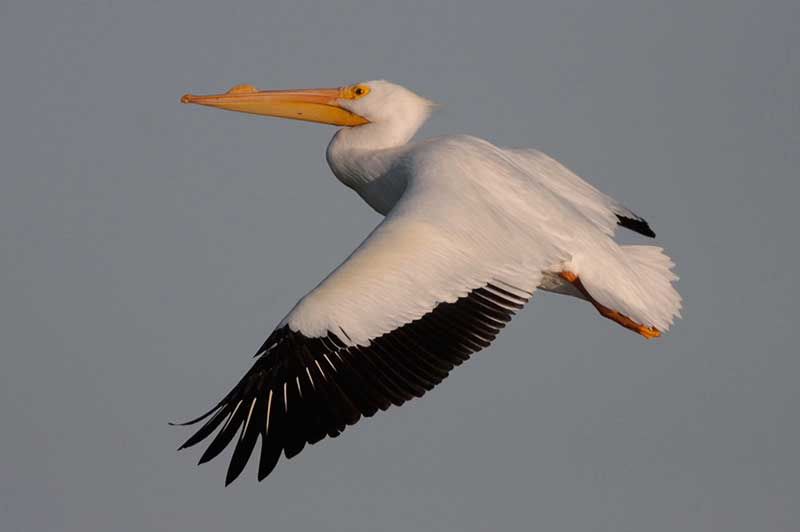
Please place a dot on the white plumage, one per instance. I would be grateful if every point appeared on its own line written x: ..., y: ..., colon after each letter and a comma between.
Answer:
x: 470, y: 232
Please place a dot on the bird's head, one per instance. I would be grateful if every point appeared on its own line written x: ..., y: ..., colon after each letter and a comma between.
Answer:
x: 353, y: 105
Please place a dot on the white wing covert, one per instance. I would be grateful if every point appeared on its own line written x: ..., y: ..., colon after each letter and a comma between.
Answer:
x: 602, y: 209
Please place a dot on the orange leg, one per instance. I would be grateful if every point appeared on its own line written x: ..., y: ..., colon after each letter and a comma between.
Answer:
x: 625, y: 321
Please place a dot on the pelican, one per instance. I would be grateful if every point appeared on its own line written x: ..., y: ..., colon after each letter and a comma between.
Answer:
x: 470, y: 231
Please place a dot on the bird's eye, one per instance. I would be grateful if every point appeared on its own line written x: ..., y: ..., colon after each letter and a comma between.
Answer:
x: 358, y: 91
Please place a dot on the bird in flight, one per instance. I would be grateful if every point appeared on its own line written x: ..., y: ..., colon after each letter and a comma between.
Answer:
x: 470, y: 231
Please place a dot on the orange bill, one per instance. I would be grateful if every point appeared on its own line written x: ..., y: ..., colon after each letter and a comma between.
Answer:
x: 312, y: 105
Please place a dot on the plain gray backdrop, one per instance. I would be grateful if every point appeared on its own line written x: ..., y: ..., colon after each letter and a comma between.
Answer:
x: 147, y: 248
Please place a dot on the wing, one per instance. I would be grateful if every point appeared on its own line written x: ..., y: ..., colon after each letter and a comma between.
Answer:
x: 434, y: 282
x: 302, y: 388
x: 605, y: 211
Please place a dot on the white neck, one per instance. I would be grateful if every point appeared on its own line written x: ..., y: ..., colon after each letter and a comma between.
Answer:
x: 365, y: 158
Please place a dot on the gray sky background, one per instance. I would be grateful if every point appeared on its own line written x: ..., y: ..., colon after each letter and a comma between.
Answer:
x: 147, y: 248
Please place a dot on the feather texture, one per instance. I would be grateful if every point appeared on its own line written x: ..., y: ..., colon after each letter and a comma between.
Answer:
x: 288, y: 400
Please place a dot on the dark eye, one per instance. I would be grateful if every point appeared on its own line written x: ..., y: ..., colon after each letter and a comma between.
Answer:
x: 359, y: 91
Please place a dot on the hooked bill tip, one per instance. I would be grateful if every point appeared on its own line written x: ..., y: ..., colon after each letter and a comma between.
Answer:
x: 187, y: 98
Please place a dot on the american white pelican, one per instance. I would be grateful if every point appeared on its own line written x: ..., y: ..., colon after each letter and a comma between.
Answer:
x: 470, y: 231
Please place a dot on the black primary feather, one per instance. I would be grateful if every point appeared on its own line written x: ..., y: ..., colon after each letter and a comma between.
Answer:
x: 638, y: 225
x: 301, y: 389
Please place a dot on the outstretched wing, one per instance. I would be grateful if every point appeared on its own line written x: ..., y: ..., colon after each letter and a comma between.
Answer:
x: 434, y: 282
x: 303, y: 388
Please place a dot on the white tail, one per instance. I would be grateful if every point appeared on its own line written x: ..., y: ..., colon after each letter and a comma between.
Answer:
x: 636, y: 282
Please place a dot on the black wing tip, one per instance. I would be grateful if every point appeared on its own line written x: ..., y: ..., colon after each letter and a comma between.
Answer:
x: 363, y: 379
x: 183, y: 423
x: 638, y: 225
x: 207, y: 456
x: 200, y: 418
x: 230, y: 477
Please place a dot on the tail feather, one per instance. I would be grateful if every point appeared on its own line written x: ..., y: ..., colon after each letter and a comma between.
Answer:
x: 638, y: 282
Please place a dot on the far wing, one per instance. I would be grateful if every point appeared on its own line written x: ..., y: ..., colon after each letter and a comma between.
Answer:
x: 603, y: 210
